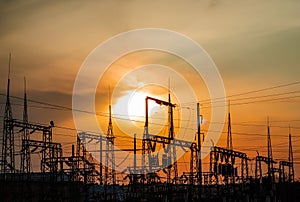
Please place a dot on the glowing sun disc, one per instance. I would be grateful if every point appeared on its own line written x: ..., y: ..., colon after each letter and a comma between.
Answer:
x: 136, y: 106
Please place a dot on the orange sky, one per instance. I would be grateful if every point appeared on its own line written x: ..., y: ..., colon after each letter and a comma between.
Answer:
x: 255, y: 45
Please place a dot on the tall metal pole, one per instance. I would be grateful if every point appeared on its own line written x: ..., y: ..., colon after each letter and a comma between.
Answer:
x: 171, y: 137
x: 101, y: 164
x: 25, y: 155
x: 7, y: 155
x: 270, y: 156
x: 199, y: 149
x: 229, y: 135
x: 291, y: 158
x: 146, y: 142
x: 134, y: 150
x: 110, y: 177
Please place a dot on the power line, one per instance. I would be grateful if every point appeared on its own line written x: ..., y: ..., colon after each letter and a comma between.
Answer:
x: 256, y: 101
x: 261, y: 96
x: 255, y: 91
x: 120, y: 116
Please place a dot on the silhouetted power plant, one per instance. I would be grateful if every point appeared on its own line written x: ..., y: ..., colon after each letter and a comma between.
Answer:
x: 80, y: 177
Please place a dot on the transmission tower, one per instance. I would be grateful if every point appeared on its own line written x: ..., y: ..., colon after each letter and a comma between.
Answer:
x: 289, y: 164
x: 7, y: 155
x: 169, y: 150
x: 194, y: 164
x: 146, y: 143
x: 291, y: 158
x: 229, y: 136
x: 172, y: 151
x: 270, y: 156
x: 25, y: 152
x: 199, y: 158
x: 110, y: 177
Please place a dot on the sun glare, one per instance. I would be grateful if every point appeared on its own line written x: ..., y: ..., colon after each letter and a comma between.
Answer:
x: 137, y: 111
x: 131, y: 109
x: 136, y: 106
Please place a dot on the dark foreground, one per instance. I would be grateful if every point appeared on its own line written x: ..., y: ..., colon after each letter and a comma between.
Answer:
x: 77, y: 191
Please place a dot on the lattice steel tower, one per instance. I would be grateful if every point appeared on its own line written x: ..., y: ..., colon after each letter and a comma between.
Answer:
x: 110, y: 177
x: 7, y: 155
x: 25, y: 152
x: 270, y: 156
x: 291, y: 159
x: 172, y: 147
x: 229, y: 135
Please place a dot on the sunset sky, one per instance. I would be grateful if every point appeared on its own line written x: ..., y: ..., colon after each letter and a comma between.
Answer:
x: 255, y: 45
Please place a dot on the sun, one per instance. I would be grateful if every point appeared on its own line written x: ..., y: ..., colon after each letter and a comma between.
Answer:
x: 136, y: 111
x: 136, y: 105
x: 130, y: 112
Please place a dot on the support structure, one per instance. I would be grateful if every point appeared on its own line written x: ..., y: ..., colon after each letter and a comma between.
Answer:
x: 25, y: 152
x: 258, y: 166
x: 8, y: 151
x: 101, y: 160
x: 271, y: 175
x: 191, y: 177
x: 267, y: 160
x: 171, y: 147
x: 49, y: 165
x: 289, y: 164
x: 199, y: 158
x: 86, y: 162
x: 223, y: 169
x: 169, y: 158
x: 110, y: 177
x: 291, y: 159
x: 229, y: 135
x: 50, y: 151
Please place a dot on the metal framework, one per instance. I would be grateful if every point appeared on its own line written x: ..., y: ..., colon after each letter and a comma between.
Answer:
x: 229, y: 134
x: 82, y: 153
x: 227, y: 167
x: 258, y: 166
x: 191, y: 177
x: 169, y: 158
x: 110, y: 175
x: 46, y: 143
x: 8, y: 151
x: 49, y: 164
x: 271, y: 175
x: 25, y: 152
x: 223, y: 169
x: 86, y: 164
x: 289, y: 164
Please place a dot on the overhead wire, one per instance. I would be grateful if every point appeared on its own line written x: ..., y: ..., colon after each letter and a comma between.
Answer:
x: 55, y: 106
x: 254, y: 98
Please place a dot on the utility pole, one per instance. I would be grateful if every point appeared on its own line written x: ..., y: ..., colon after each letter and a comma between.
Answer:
x: 134, y: 160
x: 171, y: 137
x: 134, y: 152
x: 101, y: 164
x: 146, y: 144
x: 199, y: 149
